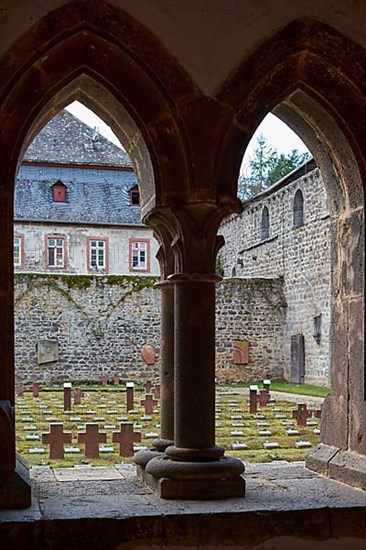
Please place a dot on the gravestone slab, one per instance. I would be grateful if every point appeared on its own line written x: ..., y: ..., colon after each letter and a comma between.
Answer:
x: 239, y: 446
x: 106, y: 449
x: 302, y: 444
x: 292, y: 432
x: 151, y: 435
x: 72, y: 450
x: 264, y: 432
x: 271, y: 445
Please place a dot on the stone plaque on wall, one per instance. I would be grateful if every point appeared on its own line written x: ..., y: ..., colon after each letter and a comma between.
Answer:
x: 47, y: 351
x: 241, y: 352
x: 148, y: 354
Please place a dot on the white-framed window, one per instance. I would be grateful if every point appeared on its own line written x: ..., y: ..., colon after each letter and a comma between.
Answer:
x: 97, y: 254
x: 139, y: 259
x: 18, y: 250
x: 56, y: 252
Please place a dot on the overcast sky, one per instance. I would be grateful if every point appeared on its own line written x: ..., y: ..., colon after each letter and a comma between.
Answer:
x: 277, y: 133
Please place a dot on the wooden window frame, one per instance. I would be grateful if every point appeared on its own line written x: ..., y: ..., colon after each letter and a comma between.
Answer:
x: 105, y: 240
x: 139, y: 240
x: 21, y: 249
x: 134, y: 190
x: 65, y: 256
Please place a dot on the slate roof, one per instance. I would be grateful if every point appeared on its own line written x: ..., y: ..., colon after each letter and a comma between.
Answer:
x: 65, y: 139
x: 93, y: 196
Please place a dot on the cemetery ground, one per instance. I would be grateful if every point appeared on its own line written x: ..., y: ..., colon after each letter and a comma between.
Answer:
x: 268, y: 435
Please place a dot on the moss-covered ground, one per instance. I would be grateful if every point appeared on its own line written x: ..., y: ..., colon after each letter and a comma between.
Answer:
x: 33, y: 416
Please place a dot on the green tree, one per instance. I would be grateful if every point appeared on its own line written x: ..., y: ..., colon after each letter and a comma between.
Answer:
x: 254, y: 179
x: 284, y: 164
x: 265, y: 167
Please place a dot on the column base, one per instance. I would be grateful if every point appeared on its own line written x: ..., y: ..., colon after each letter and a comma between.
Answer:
x: 15, y: 487
x: 344, y: 466
x: 142, y: 458
x: 196, y: 480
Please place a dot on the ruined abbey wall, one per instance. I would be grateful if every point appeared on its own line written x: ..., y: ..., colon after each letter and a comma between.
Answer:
x: 97, y: 325
x: 299, y: 254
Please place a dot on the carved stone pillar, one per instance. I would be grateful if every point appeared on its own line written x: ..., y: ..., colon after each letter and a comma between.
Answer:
x: 166, y: 261
x: 194, y: 467
x: 15, y: 488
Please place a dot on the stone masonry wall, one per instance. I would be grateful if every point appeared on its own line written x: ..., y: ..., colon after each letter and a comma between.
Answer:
x: 301, y: 255
x: 101, y: 324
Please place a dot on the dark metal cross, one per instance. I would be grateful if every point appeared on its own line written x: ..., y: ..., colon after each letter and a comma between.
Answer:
x: 126, y: 437
x: 56, y: 439
x: 91, y: 438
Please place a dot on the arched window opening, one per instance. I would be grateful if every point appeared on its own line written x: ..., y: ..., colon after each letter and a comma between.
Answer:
x: 265, y: 224
x: 298, y: 209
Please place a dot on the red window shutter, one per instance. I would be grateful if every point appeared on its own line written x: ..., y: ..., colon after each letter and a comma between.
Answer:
x: 59, y: 192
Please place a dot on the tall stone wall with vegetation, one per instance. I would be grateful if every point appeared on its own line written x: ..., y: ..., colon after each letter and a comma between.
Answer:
x: 99, y: 324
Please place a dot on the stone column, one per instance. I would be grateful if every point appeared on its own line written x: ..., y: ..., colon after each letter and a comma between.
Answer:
x: 194, y: 467
x: 15, y: 488
x: 166, y: 439
x: 167, y: 366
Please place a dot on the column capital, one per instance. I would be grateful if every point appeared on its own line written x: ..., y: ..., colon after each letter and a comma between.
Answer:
x: 190, y: 231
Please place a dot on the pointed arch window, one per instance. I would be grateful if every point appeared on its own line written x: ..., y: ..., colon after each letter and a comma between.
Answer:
x: 265, y: 224
x: 298, y: 209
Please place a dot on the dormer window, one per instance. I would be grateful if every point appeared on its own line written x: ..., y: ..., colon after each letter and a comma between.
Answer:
x: 134, y: 196
x: 59, y: 192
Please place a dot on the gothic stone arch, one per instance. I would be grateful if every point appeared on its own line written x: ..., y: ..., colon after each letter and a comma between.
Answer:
x: 312, y: 77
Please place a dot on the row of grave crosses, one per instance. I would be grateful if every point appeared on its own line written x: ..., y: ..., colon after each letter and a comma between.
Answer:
x: 151, y: 398
x: 263, y: 397
x: 91, y: 439
x: 149, y: 403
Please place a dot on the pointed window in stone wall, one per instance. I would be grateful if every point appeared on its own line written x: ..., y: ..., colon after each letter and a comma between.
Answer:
x: 265, y: 224
x: 298, y: 209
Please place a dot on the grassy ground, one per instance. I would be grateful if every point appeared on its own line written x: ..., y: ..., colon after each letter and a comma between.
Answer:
x: 108, y: 402
x: 288, y: 387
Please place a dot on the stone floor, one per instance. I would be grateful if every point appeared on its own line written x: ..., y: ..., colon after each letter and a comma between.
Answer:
x: 286, y: 506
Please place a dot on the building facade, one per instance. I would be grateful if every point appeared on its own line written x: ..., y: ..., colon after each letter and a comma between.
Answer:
x: 77, y: 207
x: 285, y: 232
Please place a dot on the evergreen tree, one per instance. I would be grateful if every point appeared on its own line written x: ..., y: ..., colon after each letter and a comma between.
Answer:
x: 265, y: 167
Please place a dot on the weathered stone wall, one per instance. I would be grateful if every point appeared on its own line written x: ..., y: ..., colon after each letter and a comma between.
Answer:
x: 301, y: 255
x: 101, y: 324
x: 250, y: 309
